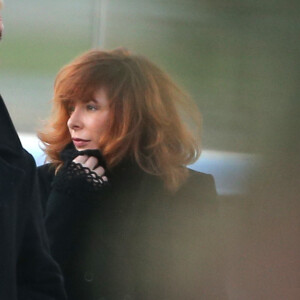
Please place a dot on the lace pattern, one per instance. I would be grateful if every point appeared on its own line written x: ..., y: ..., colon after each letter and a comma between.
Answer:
x: 75, y: 179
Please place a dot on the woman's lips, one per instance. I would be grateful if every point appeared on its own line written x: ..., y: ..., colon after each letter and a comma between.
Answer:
x: 79, y: 143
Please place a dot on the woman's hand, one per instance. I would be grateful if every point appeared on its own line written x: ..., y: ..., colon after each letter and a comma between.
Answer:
x: 82, y: 173
x: 91, y: 163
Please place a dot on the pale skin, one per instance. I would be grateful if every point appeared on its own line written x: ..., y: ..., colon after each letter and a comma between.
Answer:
x: 86, y: 124
x: 90, y: 162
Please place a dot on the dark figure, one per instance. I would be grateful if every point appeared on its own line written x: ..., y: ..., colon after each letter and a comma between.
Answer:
x: 125, y: 217
x: 27, y: 271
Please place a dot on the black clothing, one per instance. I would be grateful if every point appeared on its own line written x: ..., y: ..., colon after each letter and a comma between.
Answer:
x: 135, y: 240
x: 73, y: 178
x: 27, y: 271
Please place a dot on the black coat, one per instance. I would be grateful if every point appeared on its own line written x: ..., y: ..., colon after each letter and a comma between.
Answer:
x: 136, y: 240
x: 27, y: 271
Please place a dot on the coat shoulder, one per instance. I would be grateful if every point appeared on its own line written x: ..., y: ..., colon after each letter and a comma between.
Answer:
x: 45, y: 174
x: 199, y: 184
x: 196, y: 195
x: 46, y: 170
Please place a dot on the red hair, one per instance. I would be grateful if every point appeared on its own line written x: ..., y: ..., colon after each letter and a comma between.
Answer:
x: 148, y: 114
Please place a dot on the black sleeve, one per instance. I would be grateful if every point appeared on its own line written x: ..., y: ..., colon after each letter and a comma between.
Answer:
x: 64, y: 219
x: 38, y: 275
x: 68, y: 203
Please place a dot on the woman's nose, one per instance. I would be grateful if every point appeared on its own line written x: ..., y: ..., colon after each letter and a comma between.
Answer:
x: 75, y: 120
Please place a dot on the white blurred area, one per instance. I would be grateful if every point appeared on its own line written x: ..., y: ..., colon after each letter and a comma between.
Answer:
x: 230, y: 170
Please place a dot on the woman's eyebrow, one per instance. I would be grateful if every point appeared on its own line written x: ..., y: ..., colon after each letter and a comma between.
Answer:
x: 67, y: 101
x: 91, y: 100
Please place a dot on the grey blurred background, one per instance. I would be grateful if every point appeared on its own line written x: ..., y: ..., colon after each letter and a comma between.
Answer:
x: 239, y: 59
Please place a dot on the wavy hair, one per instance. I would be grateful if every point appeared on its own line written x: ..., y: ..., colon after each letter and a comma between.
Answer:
x: 150, y: 119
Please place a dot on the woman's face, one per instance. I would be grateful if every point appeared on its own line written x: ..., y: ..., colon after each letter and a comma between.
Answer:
x: 88, y: 121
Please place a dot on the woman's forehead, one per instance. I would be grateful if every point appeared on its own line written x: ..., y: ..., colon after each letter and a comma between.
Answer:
x: 91, y: 95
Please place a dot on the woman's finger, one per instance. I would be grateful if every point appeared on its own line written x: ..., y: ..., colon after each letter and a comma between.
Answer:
x: 104, y: 178
x: 91, y: 163
x: 80, y: 159
x: 100, y: 171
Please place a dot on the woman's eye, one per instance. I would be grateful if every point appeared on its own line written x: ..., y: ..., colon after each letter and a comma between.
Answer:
x: 91, y: 107
x: 71, y: 109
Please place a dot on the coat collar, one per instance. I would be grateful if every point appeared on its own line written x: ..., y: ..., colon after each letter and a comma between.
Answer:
x: 9, y: 141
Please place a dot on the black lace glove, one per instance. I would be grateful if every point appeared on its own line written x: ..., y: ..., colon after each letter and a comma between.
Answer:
x: 75, y: 179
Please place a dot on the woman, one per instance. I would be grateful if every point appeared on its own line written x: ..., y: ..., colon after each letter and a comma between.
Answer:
x: 125, y: 217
